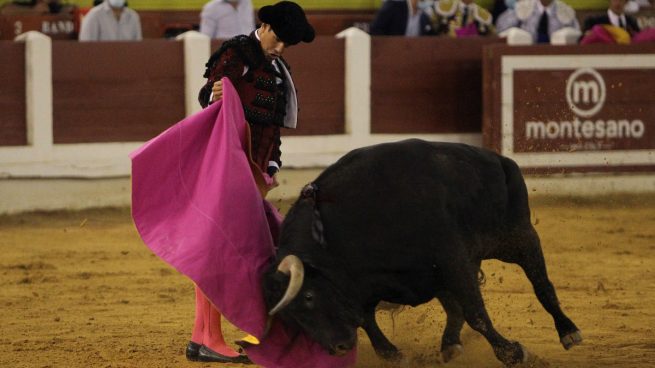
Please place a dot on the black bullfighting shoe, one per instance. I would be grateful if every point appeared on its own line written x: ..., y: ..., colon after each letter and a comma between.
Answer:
x: 206, y: 354
x: 192, y: 350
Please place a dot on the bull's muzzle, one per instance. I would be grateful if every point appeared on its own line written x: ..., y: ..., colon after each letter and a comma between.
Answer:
x: 342, y: 348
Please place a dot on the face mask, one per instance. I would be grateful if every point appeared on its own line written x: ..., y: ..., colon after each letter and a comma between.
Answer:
x: 116, y: 3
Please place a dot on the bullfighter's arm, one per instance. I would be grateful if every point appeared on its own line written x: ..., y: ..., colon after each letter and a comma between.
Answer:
x: 230, y: 65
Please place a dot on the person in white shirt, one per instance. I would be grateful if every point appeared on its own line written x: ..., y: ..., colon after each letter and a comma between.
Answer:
x: 225, y: 19
x: 111, y: 21
x: 615, y: 16
x: 540, y: 18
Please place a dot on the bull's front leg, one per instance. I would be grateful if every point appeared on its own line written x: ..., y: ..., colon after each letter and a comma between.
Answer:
x: 383, y: 347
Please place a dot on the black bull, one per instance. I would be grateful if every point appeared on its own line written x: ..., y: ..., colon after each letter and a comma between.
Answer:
x: 404, y: 223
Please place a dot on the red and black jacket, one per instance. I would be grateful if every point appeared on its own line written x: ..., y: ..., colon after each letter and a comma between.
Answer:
x: 242, y: 60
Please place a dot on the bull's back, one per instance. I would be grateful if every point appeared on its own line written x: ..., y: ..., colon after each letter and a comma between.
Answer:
x: 412, y: 193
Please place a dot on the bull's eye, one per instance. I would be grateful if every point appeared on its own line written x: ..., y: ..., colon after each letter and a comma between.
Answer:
x: 309, y: 299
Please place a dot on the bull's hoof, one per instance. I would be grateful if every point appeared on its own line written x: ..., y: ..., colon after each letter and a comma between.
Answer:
x: 531, y: 361
x: 514, y: 356
x: 390, y: 355
x: 451, y: 352
x: 570, y: 340
x: 527, y: 356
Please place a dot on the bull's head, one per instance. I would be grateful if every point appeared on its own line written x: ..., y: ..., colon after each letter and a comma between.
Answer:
x: 302, y: 296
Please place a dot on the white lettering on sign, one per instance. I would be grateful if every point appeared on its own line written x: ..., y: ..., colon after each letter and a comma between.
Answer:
x: 57, y: 27
x: 585, y: 97
x: 586, y: 129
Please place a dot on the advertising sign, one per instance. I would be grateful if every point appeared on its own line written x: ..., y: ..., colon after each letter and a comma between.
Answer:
x: 579, y: 111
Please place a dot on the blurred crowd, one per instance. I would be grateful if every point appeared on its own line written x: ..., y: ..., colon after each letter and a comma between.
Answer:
x: 520, y: 21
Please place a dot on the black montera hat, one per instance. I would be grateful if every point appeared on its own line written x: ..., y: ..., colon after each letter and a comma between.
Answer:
x: 288, y: 22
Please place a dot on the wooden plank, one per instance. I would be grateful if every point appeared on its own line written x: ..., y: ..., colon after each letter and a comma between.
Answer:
x: 116, y: 91
x: 318, y: 70
x: 426, y: 84
x: 12, y: 94
x: 491, y: 118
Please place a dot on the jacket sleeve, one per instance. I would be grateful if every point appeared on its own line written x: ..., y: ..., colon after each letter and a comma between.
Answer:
x: 589, y: 23
x: 276, y: 154
x: 383, y: 19
x: 230, y: 65
x: 632, y: 23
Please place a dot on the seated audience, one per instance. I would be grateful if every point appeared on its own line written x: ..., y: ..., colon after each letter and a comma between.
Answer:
x: 615, y: 16
x: 460, y: 18
x: 540, y: 18
x: 500, y: 6
x: 112, y: 20
x: 401, y: 17
x: 615, y: 28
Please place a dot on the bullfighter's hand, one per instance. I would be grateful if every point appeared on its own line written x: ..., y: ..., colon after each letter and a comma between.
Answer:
x: 217, y: 90
x: 274, y: 182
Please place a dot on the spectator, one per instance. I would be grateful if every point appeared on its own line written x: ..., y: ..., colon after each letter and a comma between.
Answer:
x: 500, y: 6
x: 111, y: 21
x: 540, y: 18
x: 458, y: 18
x: 401, y: 17
x: 227, y: 18
x: 615, y: 16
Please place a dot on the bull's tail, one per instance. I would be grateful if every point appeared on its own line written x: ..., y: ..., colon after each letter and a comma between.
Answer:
x: 517, y: 192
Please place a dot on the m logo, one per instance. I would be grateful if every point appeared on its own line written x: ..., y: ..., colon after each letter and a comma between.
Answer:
x: 585, y: 92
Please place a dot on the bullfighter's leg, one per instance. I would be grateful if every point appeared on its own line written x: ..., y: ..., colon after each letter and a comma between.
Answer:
x: 531, y: 259
x: 451, y: 345
x: 207, y: 336
x: 463, y: 283
x: 383, y: 347
x: 193, y: 347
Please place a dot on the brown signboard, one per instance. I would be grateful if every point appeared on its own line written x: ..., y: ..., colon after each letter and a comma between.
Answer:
x: 583, y: 109
x: 560, y: 111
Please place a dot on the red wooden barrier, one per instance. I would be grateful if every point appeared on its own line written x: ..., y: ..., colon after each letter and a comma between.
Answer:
x: 13, y: 130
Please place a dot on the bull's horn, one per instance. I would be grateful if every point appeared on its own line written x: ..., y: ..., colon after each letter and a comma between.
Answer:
x: 292, y: 266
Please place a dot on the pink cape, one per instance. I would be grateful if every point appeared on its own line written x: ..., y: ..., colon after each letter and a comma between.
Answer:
x: 197, y: 206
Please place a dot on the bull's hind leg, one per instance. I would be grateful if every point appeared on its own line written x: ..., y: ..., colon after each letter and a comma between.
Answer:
x: 531, y: 259
x: 451, y: 345
x: 463, y: 284
x: 382, y: 346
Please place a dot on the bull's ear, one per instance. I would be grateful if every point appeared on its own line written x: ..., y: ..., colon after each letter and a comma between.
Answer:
x: 308, y: 261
